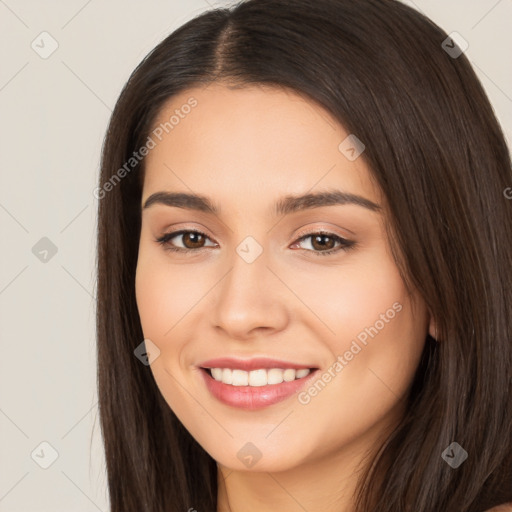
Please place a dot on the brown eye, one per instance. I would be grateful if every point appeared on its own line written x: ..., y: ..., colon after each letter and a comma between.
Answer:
x: 190, y: 240
x: 323, y: 244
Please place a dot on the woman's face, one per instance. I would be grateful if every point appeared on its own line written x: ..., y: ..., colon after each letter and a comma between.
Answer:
x: 257, y: 281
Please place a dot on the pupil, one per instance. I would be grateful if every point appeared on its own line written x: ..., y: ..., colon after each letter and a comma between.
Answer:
x: 318, y: 238
x: 197, y: 237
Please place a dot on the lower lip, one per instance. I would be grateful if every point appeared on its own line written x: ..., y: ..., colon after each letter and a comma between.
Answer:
x: 253, y: 397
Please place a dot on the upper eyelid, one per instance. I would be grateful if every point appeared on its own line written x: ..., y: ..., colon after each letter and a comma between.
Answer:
x: 313, y: 231
x: 303, y: 234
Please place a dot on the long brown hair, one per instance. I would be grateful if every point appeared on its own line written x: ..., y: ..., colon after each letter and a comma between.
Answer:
x: 439, y: 156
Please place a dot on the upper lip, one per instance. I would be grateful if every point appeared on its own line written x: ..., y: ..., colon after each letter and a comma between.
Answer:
x: 255, y: 363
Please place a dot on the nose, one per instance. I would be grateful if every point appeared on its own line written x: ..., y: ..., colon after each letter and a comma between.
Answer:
x: 250, y: 300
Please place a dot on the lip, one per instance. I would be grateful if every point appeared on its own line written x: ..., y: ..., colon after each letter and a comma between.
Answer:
x: 255, y: 363
x: 254, y: 397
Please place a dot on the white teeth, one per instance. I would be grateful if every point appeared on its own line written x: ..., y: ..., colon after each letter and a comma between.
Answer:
x: 257, y: 378
x: 217, y: 373
x: 289, y: 375
x: 240, y: 378
x: 227, y: 376
x: 275, y: 376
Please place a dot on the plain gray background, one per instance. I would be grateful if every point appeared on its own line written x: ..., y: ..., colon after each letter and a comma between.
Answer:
x: 54, y: 114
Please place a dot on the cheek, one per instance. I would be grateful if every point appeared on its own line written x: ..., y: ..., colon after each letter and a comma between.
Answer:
x: 164, y: 295
x: 152, y: 304
x: 373, y: 324
x: 370, y: 301
x: 374, y: 359
x: 380, y: 337
x: 351, y: 297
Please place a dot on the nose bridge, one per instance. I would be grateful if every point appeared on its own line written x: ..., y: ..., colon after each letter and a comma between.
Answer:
x: 248, y: 297
x: 248, y: 273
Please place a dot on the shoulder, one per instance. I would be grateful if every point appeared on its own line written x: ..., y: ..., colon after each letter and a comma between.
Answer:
x: 506, y: 507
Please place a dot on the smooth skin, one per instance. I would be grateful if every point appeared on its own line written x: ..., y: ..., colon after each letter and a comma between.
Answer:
x: 245, y: 149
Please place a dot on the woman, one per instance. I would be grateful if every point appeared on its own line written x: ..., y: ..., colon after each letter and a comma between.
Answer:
x: 304, y: 285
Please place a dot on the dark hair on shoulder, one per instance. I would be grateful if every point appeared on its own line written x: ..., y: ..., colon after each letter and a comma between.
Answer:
x: 437, y: 152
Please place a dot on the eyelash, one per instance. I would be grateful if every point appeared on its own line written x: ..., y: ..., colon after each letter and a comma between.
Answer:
x: 346, y: 244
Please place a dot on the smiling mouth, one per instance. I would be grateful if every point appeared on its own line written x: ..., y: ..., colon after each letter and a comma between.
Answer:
x: 257, y: 378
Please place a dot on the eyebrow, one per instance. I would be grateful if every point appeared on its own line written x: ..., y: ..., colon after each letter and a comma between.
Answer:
x: 284, y: 206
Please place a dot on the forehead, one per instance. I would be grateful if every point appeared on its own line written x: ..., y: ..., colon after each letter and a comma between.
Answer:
x: 217, y: 138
